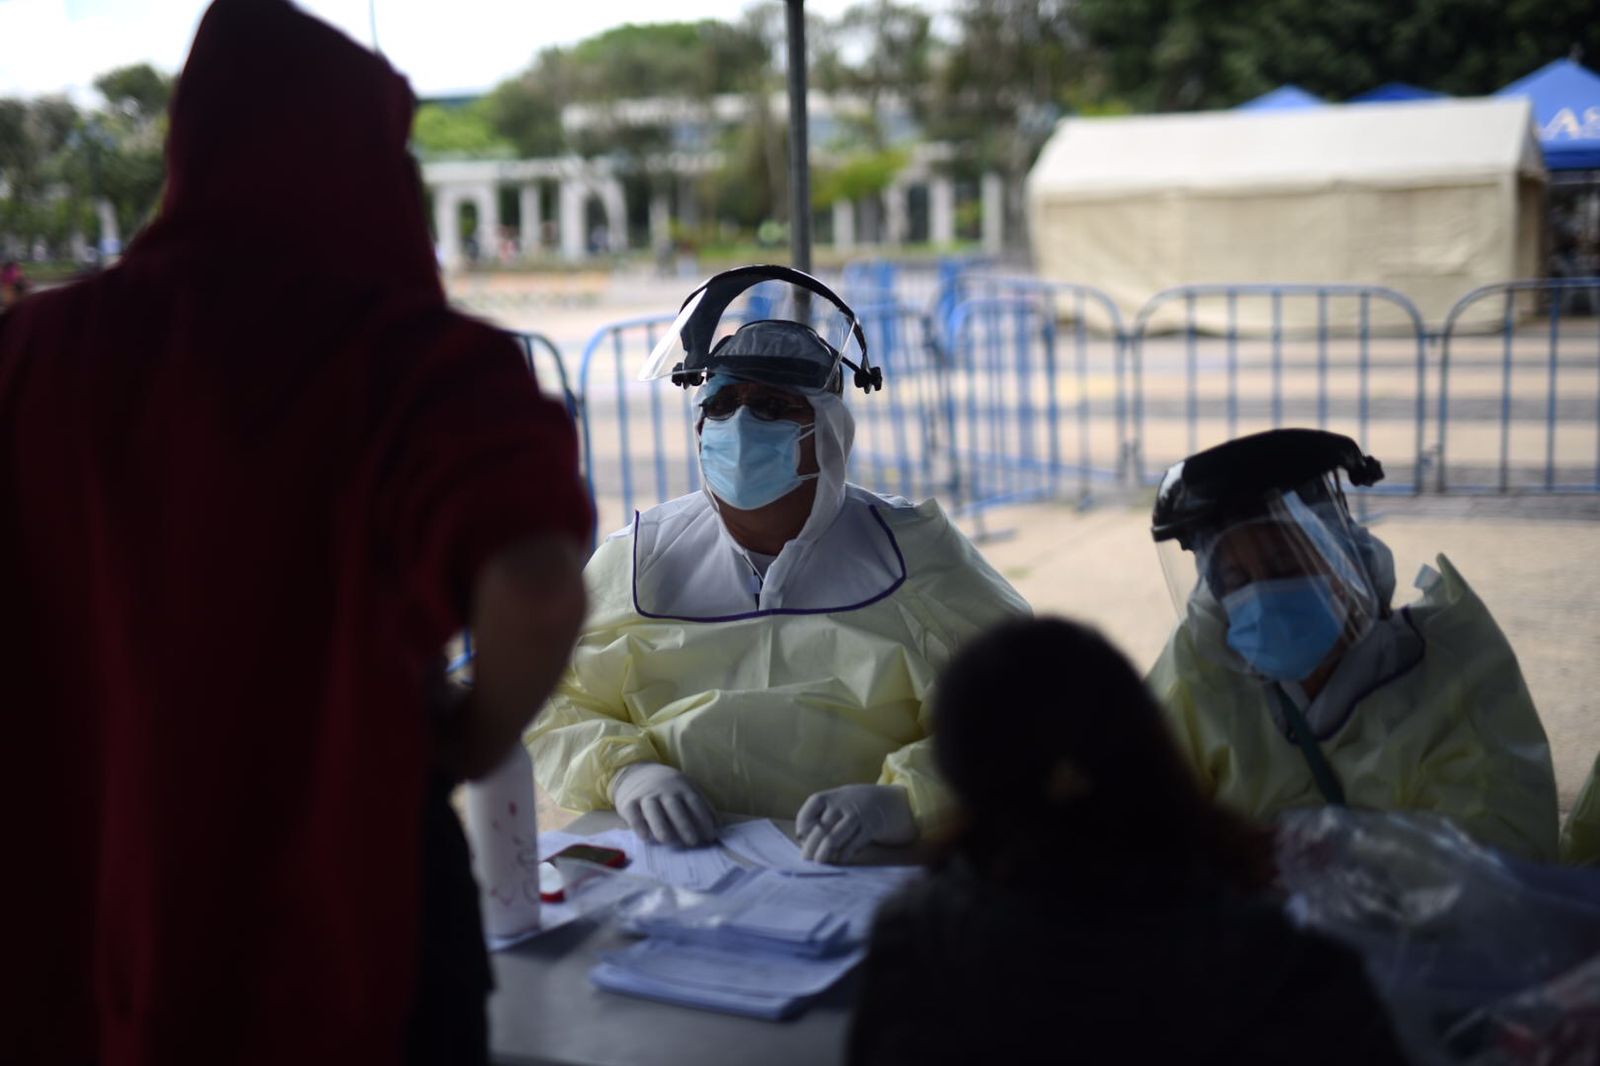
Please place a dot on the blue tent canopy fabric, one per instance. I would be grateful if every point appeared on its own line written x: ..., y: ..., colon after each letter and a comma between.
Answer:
x: 1283, y: 98
x: 1566, y: 108
x: 1395, y: 92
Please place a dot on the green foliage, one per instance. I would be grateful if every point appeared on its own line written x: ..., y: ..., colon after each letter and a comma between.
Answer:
x: 467, y: 130
x: 57, y: 162
x: 988, y: 77
x: 140, y: 92
x: 659, y: 59
x: 1180, y: 54
x: 858, y: 176
x: 1005, y: 79
x: 877, y: 49
x: 527, y: 114
x: 122, y: 150
x: 753, y: 184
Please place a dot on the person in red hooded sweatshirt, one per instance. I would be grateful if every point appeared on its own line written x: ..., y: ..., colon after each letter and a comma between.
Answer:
x: 251, y: 480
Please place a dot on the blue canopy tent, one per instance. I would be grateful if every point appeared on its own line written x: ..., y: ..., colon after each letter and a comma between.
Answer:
x: 1283, y: 98
x: 1566, y: 108
x: 1391, y: 92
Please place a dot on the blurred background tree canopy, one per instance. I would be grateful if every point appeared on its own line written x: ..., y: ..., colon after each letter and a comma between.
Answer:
x: 989, y: 78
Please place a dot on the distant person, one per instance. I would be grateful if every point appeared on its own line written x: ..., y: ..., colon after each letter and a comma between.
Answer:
x: 1092, y: 905
x: 253, y: 477
x: 1290, y: 682
x: 13, y: 284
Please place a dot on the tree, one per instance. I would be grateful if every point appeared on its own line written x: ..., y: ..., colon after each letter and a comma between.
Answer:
x: 1182, y: 54
x: 527, y: 114
x: 877, y: 51
x: 1000, y: 85
x: 120, y: 151
x: 459, y: 130
x: 140, y: 92
x: 34, y: 142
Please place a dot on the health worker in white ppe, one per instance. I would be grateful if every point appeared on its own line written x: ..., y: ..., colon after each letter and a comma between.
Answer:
x: 767, y: 646
x: 1289, y: 680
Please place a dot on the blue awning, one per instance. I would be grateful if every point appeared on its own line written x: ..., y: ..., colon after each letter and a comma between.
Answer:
x: 1394, y: 92
x: 1566, y: 108
x: 1283, y: 98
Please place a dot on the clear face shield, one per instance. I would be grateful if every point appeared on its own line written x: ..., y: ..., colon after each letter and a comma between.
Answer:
x: 1281, y: 590
x: 768, y: 324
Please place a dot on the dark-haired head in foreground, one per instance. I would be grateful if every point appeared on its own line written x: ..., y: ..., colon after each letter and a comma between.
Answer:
x: 1092, y: 906
x: 1064, y: 767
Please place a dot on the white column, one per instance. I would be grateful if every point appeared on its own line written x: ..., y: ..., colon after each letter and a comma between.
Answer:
x: 844, y: 224
x: 660, y: 221
x: 942, y: 211
x: 110, y: 235
x: 446, y: 225
x: 572, y: 195
x: 528, y: 220
x: 488, y: 199
x: 688, y: 202
x: 994, y: 213
x: 895, y: 204
x: 616, y: 208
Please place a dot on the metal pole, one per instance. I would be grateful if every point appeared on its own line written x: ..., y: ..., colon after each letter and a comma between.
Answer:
x: 799, y: 146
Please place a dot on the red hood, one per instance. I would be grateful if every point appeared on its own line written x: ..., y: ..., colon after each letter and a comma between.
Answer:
x: 289, y: 140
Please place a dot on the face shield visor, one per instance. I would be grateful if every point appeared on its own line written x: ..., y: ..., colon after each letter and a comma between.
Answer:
x: 1279, y: 588
x: 766, y: 324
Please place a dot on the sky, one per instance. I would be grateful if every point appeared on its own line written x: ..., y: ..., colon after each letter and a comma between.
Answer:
x: 443, y: 46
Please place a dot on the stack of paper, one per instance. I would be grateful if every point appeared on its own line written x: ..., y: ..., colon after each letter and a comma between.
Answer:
x: 737, y: 982
x: 759, y: 933
x: 763, y: 945
x: 744, y: 851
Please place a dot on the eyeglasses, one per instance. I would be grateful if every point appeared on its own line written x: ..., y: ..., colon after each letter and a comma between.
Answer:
x: 767, y: 406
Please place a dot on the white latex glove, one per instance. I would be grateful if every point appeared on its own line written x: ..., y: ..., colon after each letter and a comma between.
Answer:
x: 835, y: 824
x: 662, y: 804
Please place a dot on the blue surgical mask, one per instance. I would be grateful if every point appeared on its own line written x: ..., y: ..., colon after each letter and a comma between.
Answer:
x: 749, y: 462
x: 1284, y: 628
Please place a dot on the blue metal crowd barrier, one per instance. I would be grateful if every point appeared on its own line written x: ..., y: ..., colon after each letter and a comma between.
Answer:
x: 903, y: 441
x: 548, y: 368
x: 1026, y: 389
x: 926, y: 284
x: 1037, y: 393
x: 1312, y: 350
x: 1490, y: 358
x: 622, y: 477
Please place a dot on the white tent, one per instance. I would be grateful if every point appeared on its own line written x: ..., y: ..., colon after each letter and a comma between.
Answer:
x: 1431, y: 198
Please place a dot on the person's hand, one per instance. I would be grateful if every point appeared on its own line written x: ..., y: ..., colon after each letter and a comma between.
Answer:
x: 835, y: 824
x: 662, y: 804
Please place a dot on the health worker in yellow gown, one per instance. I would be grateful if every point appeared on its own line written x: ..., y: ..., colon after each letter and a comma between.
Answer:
x: 767, y: 646
x: 1290, y: 682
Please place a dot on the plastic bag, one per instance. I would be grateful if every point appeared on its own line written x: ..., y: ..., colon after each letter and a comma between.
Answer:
x: 1481, y: 958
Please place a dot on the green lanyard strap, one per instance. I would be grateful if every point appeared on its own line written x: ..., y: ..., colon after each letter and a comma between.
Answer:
x: 1300, y: 732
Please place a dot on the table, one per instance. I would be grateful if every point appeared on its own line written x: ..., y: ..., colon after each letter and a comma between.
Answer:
x: 544, y: 1011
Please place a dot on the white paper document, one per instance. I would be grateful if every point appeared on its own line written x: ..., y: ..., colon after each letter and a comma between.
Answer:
x: 613, y: 978
x: 764, y: 844
x: 701, y: 967
x: 699, y: 869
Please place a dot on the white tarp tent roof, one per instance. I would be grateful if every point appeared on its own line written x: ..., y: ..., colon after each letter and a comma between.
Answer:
x: 1429, y: 198
x: 1435, y: 142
